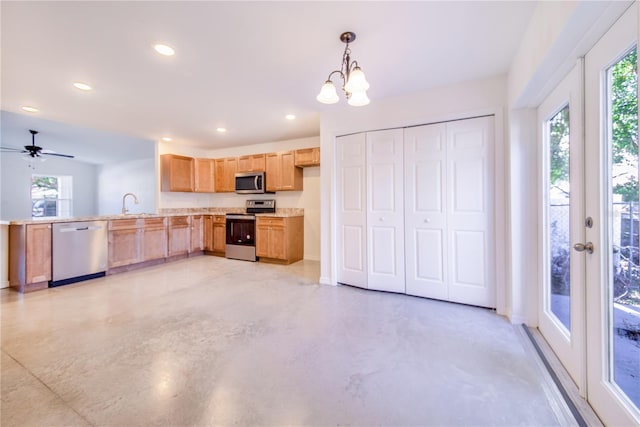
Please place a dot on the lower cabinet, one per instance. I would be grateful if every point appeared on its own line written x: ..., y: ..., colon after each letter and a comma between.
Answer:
x: 197, y: 234
x: 207, y: 233
x: 215, y: 234
x: 29, y: 256
x: 219, y: 234
x: 154, y: 239
x: 124, y: 242
x: 280, y: 239
x: 179, y: 242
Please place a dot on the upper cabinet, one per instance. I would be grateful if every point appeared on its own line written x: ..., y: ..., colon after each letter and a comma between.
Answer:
x: 203, y: 174
x: 281, y: 172
x: 186, y: 174
x: 307, y: 157
x: 176, y: 172
x: 225, y: 171
x: 251, y: 163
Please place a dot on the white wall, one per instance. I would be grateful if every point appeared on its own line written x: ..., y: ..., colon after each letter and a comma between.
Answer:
x: 523, y: 212
x: 15, y: 198
x: 558, y: 34
x: 137, y: 177
x: 487, y: 96
x: 308, y: 199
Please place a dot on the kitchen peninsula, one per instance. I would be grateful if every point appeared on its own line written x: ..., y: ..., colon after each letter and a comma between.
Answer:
x: 142, y: 240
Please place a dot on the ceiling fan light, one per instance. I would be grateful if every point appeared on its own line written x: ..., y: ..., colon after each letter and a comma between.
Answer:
x: 328, y: 94
x: 358, y: 99
x: 357, y: 81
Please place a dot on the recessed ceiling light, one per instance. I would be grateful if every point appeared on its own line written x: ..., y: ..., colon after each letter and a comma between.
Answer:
x: 166, y: 138
x: 82, y: 86
x: 163, y: 49
x: 29, y: 109
x: 221, y: 130
x: 290, y: 117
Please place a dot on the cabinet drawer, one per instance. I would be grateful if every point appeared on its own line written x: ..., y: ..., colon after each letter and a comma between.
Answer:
x: 123, y: 224
x: 153, y: 223
x: 270, y: 221
x: 219, y: 219
x: 178, y: 221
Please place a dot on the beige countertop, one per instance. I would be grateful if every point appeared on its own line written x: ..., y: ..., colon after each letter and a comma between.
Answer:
x: 280, y: 212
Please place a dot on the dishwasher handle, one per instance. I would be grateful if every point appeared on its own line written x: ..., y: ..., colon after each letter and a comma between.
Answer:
x: 85, y: 228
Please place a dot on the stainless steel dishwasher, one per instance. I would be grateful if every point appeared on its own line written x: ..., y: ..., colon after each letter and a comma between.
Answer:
x: 80, y: 251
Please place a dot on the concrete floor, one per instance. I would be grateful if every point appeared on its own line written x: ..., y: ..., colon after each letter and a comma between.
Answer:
x: 211, y: 341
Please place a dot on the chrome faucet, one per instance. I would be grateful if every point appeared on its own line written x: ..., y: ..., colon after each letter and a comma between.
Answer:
x: 124, y: 208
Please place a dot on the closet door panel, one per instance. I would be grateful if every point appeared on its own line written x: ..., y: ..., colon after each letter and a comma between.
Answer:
x: 470, y: 211
x: 351, y: 235
x: 385, y: 213
x: 425, y: 219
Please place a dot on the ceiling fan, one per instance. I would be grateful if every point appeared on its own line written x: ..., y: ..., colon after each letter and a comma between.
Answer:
x: 33, y: 150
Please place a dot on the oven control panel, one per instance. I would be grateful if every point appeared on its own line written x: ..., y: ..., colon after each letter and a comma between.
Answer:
x: 261, y: 206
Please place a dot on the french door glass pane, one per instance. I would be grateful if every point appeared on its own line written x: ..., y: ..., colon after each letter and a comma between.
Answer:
x: 623, y: 296
x: 558, y: 214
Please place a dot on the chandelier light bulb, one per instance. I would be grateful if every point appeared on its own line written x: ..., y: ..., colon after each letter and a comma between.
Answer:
x: 358, y: 99
x: 357, y: 81
x: 328, y: 94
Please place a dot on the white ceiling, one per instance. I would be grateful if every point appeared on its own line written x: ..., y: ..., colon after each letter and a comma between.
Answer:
x: 240, y: 65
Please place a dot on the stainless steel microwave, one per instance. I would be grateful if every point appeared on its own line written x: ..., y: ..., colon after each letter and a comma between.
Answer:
x: 250, y: 183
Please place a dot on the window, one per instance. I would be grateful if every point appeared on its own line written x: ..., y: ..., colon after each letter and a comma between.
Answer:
x: 51, y: 196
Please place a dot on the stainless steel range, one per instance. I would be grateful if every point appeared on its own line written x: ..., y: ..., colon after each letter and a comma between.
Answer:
x: 241, y: 230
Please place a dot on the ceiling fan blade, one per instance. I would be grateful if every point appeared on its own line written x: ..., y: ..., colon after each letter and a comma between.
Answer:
x: 12, y: 150
x: 68, y: 156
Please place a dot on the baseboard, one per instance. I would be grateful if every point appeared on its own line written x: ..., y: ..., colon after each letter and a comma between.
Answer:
x: 517, y: 319
x: 4, y: 284
x: 325, y: 280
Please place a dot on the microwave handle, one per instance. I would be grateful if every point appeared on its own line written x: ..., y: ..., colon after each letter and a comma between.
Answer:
x: 255, y: 182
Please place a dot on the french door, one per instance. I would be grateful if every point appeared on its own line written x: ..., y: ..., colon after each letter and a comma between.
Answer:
x: 561, y: 317
x: 589, y: 310
x: 611, y: 182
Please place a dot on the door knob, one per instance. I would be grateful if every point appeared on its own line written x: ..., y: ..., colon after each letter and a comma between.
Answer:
x: 581, y: 247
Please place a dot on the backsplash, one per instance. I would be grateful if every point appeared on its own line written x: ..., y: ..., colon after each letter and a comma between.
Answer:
x: 222, y: 211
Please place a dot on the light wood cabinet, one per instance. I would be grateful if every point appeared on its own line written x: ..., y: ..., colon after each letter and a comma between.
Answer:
x: 124, y: 242
x: 204, y: 175
x: 307, y: 157
x: 280, y: 239
x: 225, y: 171
x: 29, y: 256
x: 219, y: 234
x: 281, y: 172
x: 251, y: 163
x: 197, y: 234
x: 178, y: 236
x: 207, y: 233
x: 154, y: 239
x: 177, y: 173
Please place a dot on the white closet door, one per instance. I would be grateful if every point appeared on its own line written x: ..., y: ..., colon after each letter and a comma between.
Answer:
x: 351, y: 210
x: 425, y: 160
x: 385, y: 215
x: 470, y: 211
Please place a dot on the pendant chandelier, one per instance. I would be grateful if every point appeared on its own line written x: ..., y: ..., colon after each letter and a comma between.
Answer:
x: 354, y: 83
